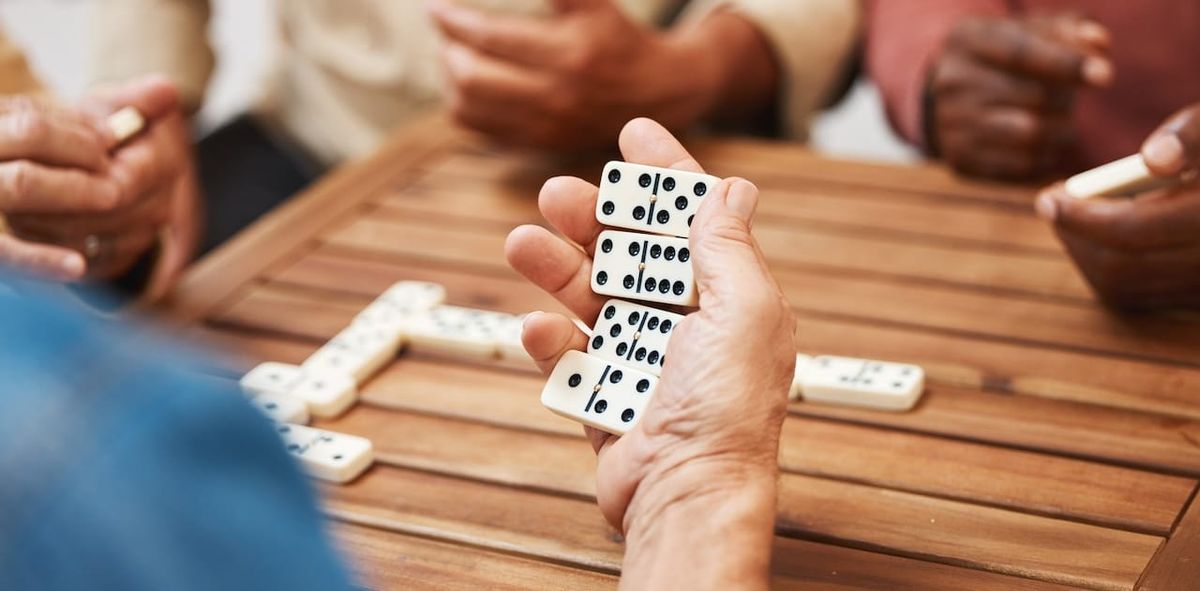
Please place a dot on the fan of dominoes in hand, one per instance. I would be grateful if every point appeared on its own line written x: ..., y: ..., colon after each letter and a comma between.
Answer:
x: 609, y: 386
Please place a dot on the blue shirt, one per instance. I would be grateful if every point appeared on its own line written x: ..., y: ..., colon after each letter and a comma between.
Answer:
x: 121, y: 467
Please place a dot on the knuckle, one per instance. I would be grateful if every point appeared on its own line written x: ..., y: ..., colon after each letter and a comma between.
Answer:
x: 19, y: 179
x: 30, y: 128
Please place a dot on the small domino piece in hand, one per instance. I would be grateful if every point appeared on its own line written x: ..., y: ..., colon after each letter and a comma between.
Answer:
x: 802, y: 362
x: 335, y: 457
x: 633, y: 335
x: 326, y: 394
x: 651, y: 199
x: 862, y: 382
x: 1121, y: 178
x: 125, y: 123
x: 598, y: 393
x: 282, y: 409
x: 644, y: 267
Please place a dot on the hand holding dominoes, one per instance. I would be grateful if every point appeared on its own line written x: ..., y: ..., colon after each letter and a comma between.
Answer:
x: 1141, y: 252
x: 715, y: 383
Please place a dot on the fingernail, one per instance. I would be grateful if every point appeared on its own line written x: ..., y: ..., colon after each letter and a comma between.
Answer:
x: 1047, y: 207
x: 530, y: 315
x: 1164, y: 152
x: 73, y: 265
x: 1097, y: 71
x: 742, y: 199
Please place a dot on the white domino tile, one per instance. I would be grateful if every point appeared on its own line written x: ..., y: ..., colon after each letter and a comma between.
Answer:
x: 597, y: 392
x: 862, y: 382
x: 633, y: 335
x: 335, y: 457
x: 651, y: 199
x: 643, y: 267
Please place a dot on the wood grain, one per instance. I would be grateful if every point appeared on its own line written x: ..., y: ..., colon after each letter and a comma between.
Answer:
x: 1057, y: 443
x: 1177, y: 564
x: 947, y: 358
x: 900, y: 522
x: 386, y: 560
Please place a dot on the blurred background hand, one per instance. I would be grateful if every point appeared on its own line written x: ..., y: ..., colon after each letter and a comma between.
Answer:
x: 1001, y: 92
x: 1144, y: 252
x: 72, y: 192
x: 703, y: 458
x: 571, y: 80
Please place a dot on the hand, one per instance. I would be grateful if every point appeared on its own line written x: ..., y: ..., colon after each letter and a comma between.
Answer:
x: 149, y: 193
x: 1144, y: 252
x: 711, y: 432
x: 572, y: 80
x: 1002, y: 91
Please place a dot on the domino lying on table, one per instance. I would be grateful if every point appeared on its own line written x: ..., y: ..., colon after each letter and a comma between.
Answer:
x: 328, y: 382
x: 609, y: 386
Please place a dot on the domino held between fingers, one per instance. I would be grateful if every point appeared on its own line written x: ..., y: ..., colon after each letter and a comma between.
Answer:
x: 125, y: 124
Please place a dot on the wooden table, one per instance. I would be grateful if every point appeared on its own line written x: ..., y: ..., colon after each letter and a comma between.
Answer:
x: 1057, y: 445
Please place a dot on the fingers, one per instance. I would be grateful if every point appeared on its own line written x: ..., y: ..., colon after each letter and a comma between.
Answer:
x: 646, y: 142
x: 559, y: 268
x: 151, y: 162
x: 727, y: 263
x: 569, y: 204
x: 44, y: 260
x: 1158, y: 221
x: 35, y: 131
x: 153, y: 212
x: 1175, y: 146
x: 26, y: 186
x: 519, y: 39
x: 154, y: 96
x: 548, y: 336
x: 1014, y: 45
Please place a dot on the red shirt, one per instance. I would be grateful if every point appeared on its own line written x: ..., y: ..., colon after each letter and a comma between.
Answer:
x: 1155, y: 49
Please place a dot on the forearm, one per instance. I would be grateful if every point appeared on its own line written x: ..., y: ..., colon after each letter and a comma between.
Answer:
x: 702, y: 536
x: 740, y: 72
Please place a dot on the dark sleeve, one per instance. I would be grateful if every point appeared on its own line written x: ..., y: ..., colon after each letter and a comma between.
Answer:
x: 125, y: 470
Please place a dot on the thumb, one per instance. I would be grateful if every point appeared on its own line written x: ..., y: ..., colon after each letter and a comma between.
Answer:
x: 154, y: 96
x: 1175, y: 146
x: 726, y: 260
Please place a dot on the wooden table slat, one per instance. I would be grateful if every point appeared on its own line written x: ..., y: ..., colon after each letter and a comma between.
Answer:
x: 903, y: 523
x: 948, y: 359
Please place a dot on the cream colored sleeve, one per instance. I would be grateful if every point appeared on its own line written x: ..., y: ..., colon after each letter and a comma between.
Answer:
x: 137, y: 37
x: 814, y: 41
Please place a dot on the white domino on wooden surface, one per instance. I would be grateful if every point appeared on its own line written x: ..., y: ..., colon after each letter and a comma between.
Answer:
x: 802, y: 362
x: 464, y: 331
x: 281, y: 408
x: 125, y: 123
x: 359, y: 351
x: 597, y: 392
x: 335, y: 457
x: 862, y: 382
x: 326, y: 394
x: 1121, y: 178
x: 644, y: 267
x: 399, y: 303
x: 633, y: 335
x: 651, y: 199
